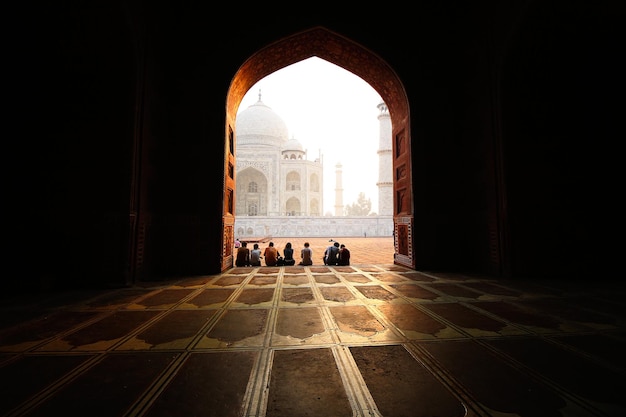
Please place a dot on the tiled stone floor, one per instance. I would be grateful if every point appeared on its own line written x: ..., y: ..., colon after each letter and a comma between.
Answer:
x: 363, y: 340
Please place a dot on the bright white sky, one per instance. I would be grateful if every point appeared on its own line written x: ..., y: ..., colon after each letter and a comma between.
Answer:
x: 332, y: 111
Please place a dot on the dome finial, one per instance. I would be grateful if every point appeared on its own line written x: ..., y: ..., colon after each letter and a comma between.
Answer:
x: 259, y: 94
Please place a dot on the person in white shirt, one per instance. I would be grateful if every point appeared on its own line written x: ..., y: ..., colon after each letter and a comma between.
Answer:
x: 255, y: 255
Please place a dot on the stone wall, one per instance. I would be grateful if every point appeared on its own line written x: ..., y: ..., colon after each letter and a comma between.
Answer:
x: 258, y: 227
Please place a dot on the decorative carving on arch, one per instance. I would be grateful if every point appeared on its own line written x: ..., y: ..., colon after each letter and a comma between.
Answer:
x: 401, y: 145
x: 262, y: 166
x: 401, y: 172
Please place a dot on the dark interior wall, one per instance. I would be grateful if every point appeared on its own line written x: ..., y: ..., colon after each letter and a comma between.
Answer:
x: 447, y: 56
x: 563, y: 112
x: 70, y: 82
x: 441, y: 55
x: 452, y: 134
x: 183, y: 151
x: 78, y: 69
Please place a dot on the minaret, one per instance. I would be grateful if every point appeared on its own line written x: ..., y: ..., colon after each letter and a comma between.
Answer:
x: 385, y: 163
x: 338, y: 191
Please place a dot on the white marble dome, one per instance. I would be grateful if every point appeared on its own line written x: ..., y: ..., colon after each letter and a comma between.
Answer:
x: 259, y: 125
x: 293, y: 144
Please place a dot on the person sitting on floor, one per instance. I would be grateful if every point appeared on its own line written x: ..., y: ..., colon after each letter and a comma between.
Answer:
x: 344, y: 255
x: 255, y: 255
x: 306, y: 254
x: 243, y: 255
x: 271, y: 255
x: 288, y: 254
x: 331, y: 253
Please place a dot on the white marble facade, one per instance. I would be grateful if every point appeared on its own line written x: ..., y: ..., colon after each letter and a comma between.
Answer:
x: 280, y: 191
x: 328, y: 226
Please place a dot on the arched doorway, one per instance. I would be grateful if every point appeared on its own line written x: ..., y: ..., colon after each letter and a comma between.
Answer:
x: 334, y: 48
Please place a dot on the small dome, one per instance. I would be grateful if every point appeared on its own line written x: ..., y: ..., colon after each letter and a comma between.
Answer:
x: 293, y: 144
x: 260, y: 125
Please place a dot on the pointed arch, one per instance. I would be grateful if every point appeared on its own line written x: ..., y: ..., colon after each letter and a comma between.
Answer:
x: 331, y: 47
x: 343, y: 52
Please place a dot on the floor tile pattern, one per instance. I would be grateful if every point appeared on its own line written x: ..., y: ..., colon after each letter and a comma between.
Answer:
x: 362, y: 340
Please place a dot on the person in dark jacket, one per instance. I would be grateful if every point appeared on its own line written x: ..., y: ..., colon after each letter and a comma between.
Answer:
x: 344, y: 255
x: 288, y: 255
x: 331, y: 253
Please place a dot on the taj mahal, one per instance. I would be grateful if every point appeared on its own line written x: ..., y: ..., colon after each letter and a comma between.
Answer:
x: 280, y: 188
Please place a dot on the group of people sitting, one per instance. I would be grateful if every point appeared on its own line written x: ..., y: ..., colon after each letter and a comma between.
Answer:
x: 247, y: 257
x: 334, y: 255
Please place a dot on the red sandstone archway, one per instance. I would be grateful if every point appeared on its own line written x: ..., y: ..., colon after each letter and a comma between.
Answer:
x: 334, y: 48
